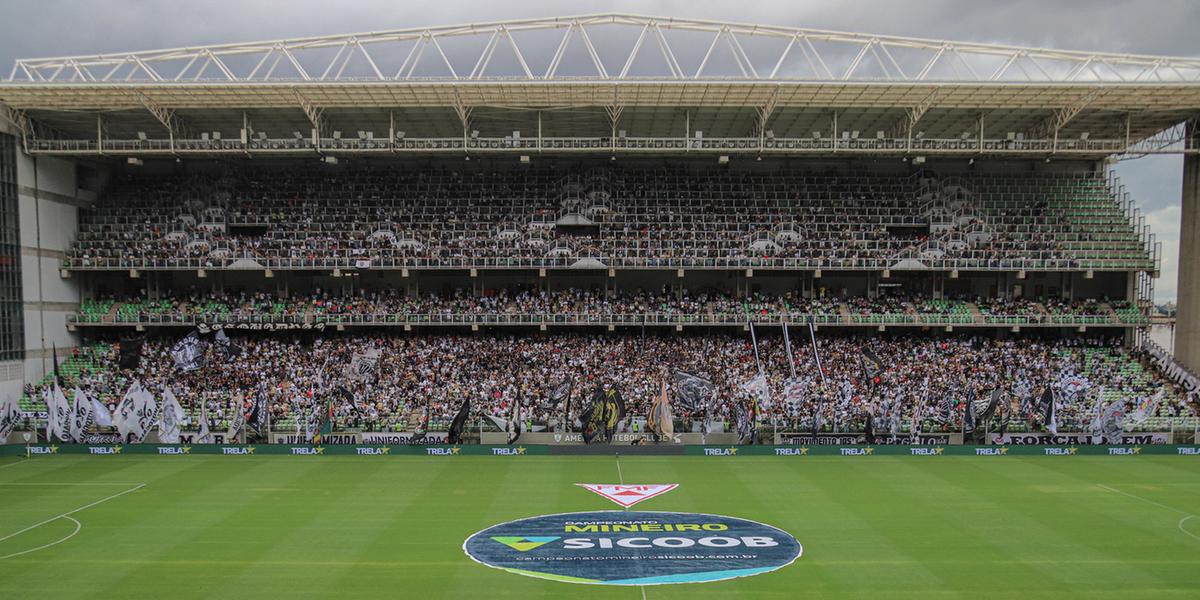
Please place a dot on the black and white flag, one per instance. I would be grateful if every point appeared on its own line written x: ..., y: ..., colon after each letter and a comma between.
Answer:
x: 238, y: 420
x: 223, y: 345
x: 81, y: 415
x: 189, y: 352
x: 692, y: 392
x: 10, y: 414
x: 59, y: 412
x: 758, y: 389
x: 204, y: 436
x: 170, y: 419
x: 363, y: 366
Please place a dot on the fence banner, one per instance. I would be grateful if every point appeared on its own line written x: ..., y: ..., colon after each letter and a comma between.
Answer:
x: 921, y: 452
x: 836, y: 439
x: 404, y: 438
x: 1077, y: 439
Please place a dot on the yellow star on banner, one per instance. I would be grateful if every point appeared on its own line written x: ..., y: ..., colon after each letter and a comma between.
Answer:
x: 116, y: 449
x: 386, y: 450
x: 804, y: 451
x: 870, y: 451
x: 249, y: 449
x: 187, y: 449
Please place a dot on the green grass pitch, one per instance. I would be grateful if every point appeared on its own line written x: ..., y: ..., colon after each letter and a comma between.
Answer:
x: 359, y: 527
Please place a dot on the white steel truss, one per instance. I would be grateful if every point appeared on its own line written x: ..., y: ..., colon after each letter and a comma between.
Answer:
x: 662, y: 48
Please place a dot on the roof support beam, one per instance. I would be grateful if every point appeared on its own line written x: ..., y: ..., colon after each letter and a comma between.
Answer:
x: 763, y: 115
x: 176, y: 128
x: 614, y: 117
x: 315, y: 116
x: 19, y: 120
x: 912, y: 115
x: 1051, y: 126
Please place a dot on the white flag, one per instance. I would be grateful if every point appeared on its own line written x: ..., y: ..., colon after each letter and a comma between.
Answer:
x: 61, y: 414
x: 81, y: 415
x: 363, y: 366
x: 126, y: 417
x: 10, y: 413
x: 100, y: 414
x: 51, y: 422
x: 237, y: 420
x: 146, y: 413
x: 205, y: 436
x: 170, y: 418
x: 759, y: 390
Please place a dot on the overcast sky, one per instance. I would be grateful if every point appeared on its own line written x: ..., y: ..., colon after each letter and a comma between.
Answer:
x: 63, y: 27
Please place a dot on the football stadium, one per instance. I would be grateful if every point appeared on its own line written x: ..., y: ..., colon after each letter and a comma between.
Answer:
x: 597, y: 306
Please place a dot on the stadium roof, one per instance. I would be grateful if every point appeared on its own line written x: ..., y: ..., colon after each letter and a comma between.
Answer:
x: 610, y: 82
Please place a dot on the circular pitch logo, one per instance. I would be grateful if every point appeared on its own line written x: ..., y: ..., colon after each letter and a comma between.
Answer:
x: 633, y: 548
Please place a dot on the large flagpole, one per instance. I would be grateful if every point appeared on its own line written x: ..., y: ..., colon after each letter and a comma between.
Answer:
x: 787, y: 344
x: 758, y: 363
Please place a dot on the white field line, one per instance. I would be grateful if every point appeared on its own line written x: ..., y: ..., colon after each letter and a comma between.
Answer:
x: 621, y: 480
x: 67, y: 515
x: 122, y: 483
x: 14, y: 463
x: 78, y: 526
x: 1187, y: 515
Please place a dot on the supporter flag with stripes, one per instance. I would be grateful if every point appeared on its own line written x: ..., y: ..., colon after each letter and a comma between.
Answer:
x: 989, y: 409
x: 745, y: 423
x: 969, y: 416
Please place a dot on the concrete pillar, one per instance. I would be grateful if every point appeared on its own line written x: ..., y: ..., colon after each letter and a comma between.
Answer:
x: 1187, y: 328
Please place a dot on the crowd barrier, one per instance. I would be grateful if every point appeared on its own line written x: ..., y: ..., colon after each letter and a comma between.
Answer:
x: 115, y: 451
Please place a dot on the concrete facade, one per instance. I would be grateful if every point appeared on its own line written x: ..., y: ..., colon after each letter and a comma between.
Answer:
x: 48, y: 200
x: 1187, y: 328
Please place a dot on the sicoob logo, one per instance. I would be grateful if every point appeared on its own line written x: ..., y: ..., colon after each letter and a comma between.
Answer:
x: 633, y: 548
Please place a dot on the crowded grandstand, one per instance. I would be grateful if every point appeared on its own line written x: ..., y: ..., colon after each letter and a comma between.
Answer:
x: 896, y: 261
x: 522, y: 308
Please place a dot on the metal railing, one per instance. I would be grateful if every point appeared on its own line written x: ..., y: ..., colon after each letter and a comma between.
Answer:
x: 464, y: 263
x: 725, y: 319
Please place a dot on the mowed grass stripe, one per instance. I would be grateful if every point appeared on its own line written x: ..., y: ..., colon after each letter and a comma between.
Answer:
x: 356, y: 527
